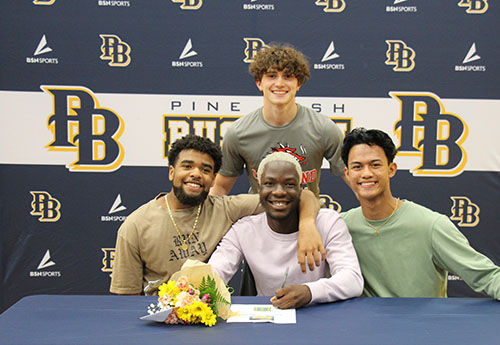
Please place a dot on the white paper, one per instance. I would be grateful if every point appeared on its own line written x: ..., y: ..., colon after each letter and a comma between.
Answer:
x: 158, y: 317
x: 261, y: 313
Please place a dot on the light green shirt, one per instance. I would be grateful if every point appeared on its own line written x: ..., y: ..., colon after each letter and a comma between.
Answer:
x: 413, y: 253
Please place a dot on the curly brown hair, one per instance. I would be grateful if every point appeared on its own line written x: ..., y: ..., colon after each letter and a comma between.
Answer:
x: 280, y: 57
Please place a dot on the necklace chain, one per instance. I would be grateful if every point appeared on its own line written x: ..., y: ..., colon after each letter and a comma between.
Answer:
x: 384, y: 223
x: 184, y: 241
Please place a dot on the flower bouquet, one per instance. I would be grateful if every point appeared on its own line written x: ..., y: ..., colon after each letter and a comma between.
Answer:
x: 195, y: 294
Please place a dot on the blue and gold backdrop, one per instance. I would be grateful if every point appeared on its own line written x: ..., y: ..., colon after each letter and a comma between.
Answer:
x: 93, y: 93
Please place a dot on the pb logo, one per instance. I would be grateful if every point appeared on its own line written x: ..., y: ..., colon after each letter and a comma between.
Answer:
x: 328, y: 202
x: 474, y: 6
x: 79, y: 124
x: 400, y: 56
x: 115, y: 50
x: 108, y: 259
x: 44, y: 2
x: 45, y: 207
x: 189, y: 4
x: 332, y: 5
x: 253, y: 46
x: 426, y: 130
x: 464, y: 211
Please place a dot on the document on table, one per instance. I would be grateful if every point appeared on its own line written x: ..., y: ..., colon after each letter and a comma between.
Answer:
x: 261, y: 313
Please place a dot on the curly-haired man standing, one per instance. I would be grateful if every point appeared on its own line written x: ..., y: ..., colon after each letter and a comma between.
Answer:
x: 280, y: 125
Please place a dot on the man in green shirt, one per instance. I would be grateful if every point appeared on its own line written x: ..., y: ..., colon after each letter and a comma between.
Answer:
x: 404, y: 249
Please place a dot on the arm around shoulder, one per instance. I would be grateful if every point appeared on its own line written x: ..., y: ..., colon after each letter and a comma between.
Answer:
x: 223, y: 185
x: 310, y: 249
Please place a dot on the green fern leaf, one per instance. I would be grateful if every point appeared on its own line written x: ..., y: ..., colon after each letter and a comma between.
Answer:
x: 207, y: 286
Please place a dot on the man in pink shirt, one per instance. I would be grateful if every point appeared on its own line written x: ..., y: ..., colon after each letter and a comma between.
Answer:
x: 267, y: 241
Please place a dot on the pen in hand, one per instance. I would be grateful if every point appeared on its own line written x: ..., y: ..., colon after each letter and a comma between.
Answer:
x: 274, y: 299
x: 285, y: 277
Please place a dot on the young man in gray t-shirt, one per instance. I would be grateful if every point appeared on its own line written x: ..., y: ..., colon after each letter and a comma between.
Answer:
x: 280, y: 125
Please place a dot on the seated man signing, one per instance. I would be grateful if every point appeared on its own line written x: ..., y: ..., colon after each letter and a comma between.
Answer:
x: 267, y: 241
x: 187, y: 223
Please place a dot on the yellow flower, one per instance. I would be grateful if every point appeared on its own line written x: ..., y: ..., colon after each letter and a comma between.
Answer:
x: 184, y: 314
x: 210, y: 321
x: 202, y: 313
x: 168, y: 288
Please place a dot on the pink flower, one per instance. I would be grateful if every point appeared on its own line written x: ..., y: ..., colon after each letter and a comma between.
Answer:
x: 165, y: 299
x: 184, y: 299
x: 173, y: 319
x: 182, y: 283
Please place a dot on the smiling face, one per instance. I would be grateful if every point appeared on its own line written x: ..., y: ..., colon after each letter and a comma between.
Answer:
x: 278, y: 87
x: 369, y: 172
x: 279, y: 191
x: 192, y: 176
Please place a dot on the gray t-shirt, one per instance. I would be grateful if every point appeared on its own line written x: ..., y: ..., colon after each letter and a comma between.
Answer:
x: 309, y: 137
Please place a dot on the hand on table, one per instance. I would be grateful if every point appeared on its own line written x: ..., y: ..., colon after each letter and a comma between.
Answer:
x: 292, y: 296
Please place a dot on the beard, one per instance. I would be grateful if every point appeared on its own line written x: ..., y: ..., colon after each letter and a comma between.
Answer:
x: 187, y: 199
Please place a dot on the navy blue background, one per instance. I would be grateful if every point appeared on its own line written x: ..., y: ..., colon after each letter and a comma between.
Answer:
x: 157, y: 30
